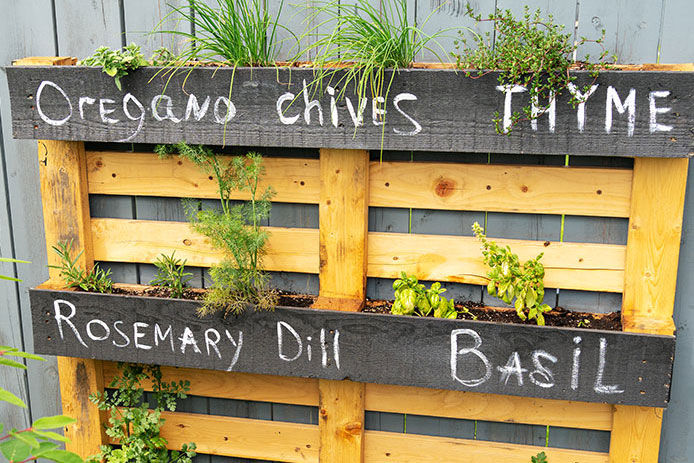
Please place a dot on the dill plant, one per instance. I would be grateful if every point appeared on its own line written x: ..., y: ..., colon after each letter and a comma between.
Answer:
x: 238, y: 280
x: 532, y: 52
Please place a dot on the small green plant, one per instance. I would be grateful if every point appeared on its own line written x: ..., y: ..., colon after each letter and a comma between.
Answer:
x: 171, y: 274
x: 539, y: 458
x: 584, y: 323
x: 14, y: 261
x: 117, y: 63
x: 36, y: 441
x: 96, y: 280
x: 413, y: 298
x: 133, y: 423
x: 508, y: 279
x: 534, y: 53
x: 238, y: 280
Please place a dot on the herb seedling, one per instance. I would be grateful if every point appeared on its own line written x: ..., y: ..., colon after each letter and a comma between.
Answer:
x: 584, y: 323
x: 117, y: 63
x: 171, y: 274
x: 413, y: 298
x: 238, y: 280
x: 133, y: 423
x: 534, y: 53
x: 508, y: 279
x: 96, y: 280
x: 539, y: 458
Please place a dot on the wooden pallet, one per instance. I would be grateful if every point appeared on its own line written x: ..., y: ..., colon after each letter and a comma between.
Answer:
x: 344, y: 184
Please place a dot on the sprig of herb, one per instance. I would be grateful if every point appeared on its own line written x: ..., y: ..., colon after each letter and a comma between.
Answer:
x: 508, y: 279
x: 534, y: 53
x: 539, y: 458
x: 96, y: 280
x: 171, y: 274
x: 117, y: 63
x: 413, y: 298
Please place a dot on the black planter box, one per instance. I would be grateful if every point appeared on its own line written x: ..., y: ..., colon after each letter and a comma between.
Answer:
x: 523, y: 360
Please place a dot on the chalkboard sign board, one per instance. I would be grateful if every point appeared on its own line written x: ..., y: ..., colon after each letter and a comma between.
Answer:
x: 557, y: 363
x: 623, y: 113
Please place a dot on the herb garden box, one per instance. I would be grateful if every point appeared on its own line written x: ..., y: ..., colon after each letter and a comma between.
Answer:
x: 647, y: 115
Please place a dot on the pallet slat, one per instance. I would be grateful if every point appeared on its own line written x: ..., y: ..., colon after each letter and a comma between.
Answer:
x: 465, y: 187
x: 582, y: 266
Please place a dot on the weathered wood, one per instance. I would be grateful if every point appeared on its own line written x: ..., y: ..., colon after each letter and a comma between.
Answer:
x: 362, y: 347
x: 341, y: 421
x: 451, y: 112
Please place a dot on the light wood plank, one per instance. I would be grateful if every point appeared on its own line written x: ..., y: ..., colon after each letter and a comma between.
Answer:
x: 45, y: 61
x: 636, y: 434
x: 238, y: 386
x: 341, y: 421
x: 388, y: 447
x: 144, y: 174
x: 583, y: 266
x: 242, y: 437
x: 141, y: 241
x: 488, y: 407
x: 593, y: 267
x: 499, y: 188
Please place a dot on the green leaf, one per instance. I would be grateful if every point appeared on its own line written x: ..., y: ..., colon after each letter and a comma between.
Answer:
x: 53, y: 422
x: 12, y: 363
x: 15, y: 450
x: 26, y: 355
x: 7, y: 396
x: 44, y: 447
x: 26, y: 437
x: 51, y: 435
x: 9, y: 259
x: 62, y: 456
x: 5, y: 277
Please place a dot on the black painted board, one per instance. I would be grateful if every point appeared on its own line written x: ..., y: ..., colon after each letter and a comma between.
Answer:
x: 548, y: 362
x: 427, y: 110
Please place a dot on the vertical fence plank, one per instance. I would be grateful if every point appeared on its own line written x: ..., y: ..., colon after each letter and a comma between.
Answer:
x: 676, y: 44
x: 96, y: 24
x: 141, y: 18
x: 655, y: 227
x: 343, y: 217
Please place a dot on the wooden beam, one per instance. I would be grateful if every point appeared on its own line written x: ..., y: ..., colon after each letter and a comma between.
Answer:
x: 343, y: 233
x: 653, y: 245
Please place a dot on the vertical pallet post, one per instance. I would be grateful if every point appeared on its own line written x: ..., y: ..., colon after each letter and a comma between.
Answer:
x: 66, y: 217
x: 653, y: 245
x: 343, y: 221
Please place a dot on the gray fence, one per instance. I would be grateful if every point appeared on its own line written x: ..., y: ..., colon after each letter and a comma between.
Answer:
x: 643, y: 31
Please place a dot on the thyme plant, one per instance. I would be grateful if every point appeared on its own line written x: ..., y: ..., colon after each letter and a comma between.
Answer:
x: 133, y: 423
x: 238, y: 280
x: 533, y: 52
x: 509, y: 280
x: 95, y: 280
x: 171, y: 274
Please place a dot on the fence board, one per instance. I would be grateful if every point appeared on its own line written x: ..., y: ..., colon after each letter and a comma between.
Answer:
x: 97, y: 24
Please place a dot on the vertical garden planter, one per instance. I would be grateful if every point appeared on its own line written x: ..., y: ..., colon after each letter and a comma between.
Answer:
x: 347, y: 362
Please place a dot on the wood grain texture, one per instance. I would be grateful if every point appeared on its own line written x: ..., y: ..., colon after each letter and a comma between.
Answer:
x: 386, y: 447
x: 501, y: 188
x: 451, y: 113
x: 341, y: 421
x: 359, y: 346
x: 636, y: 434
x: 144, y: 174
x: 653, y: 245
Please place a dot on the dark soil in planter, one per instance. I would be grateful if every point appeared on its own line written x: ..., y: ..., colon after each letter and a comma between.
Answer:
x: 556, y: 317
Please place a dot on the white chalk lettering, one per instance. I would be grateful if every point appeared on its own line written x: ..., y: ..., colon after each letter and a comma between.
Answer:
x: 455, y: 353
x: 581, y: 107
x: 187, y: 339
x: 141, y: 118
x: 159, y: 336
x: 104, y: 112
x: 509, y: 90
x: 324, y: 351
x: 168, y: 106
x: 60, y: 318
x: 42, y: 115
x: 238, y: 346
x: 195, y: 109
x: 546, y: 379
x: 550, y: 110
x: 628, y: 105
x: 230, y: 112
x: 378, y: 115
x: 309, y: 105
x: 396, y: 102
x: 512, y: 367
x: 103, y: 325
x: 286, y: 120
x: 358, y: 117
x: 308, y: 347
x: 336, y: 348
x: 599, y: 387
x: 576, y: 364
x: 121, y: 333
x: 137, y: 335
x: 82, y: 101
x: 333, y: 105
x: 654, y: 111
x: 212, y: 342
x: 280, y: 341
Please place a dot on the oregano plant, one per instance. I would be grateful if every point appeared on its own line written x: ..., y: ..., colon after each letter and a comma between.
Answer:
x: 520, y: 285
